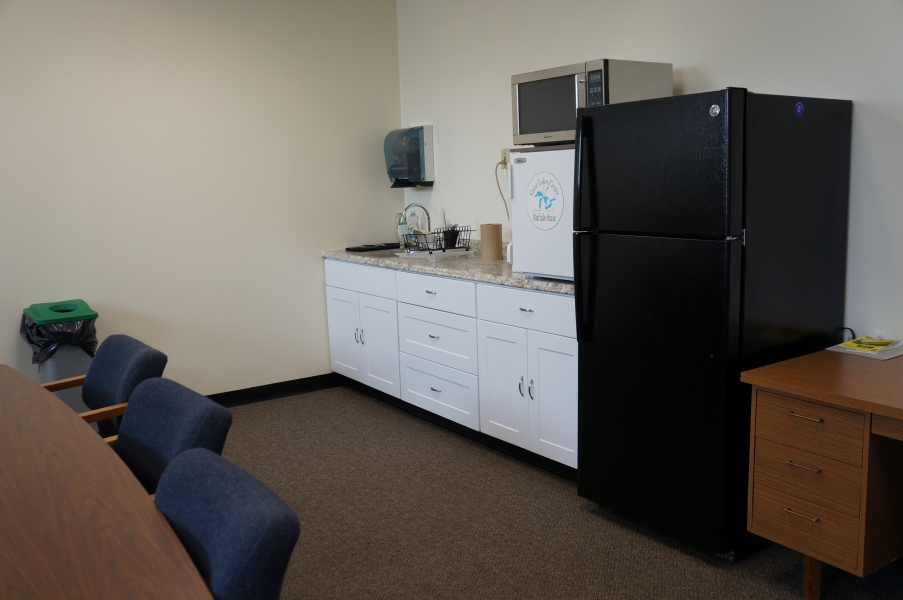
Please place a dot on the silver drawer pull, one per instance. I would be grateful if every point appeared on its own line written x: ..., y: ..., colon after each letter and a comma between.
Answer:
x: 530, y: 390
x: 435, y: 337
x: 520, y: 386
x: 793, y: 464
x: 435, y: 390
x: 526, y: 309
x: 356, y: 341
x: 813, y: 519
x: 793, y: 414
x: 430, y: 292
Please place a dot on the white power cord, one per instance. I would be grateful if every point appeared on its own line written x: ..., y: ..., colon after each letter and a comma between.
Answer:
x: 499, y: 185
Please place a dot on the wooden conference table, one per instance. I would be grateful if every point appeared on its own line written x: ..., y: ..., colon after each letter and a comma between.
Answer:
x: 74, y: 521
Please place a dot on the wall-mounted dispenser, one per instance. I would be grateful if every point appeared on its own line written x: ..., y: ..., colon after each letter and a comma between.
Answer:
x: 409, y: 156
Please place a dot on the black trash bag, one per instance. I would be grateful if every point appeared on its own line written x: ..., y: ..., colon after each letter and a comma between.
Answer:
x: 45, y: 339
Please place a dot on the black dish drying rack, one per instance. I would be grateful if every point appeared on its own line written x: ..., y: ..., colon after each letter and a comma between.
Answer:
x: 439, y: 240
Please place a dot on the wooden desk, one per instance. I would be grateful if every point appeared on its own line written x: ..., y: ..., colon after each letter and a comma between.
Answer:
x: 74, y: 521
x: 826, y: 461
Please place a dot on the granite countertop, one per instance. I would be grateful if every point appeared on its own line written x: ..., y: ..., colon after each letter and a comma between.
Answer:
x: 497, y: 272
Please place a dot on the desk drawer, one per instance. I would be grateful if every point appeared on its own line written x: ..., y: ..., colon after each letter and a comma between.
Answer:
x: 833, y: 537
x: 826, y: 482
x: 375, y: 281
x: 826, y: 431
x: 441, y: 390
x: 549, y: 313
x: 441, y: 337
x: 440, y: 293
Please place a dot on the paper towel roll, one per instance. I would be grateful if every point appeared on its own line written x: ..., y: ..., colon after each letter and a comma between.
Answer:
x: 491, y: 241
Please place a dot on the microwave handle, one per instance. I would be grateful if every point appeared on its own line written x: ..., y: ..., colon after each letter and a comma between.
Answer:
x: 582, y: 151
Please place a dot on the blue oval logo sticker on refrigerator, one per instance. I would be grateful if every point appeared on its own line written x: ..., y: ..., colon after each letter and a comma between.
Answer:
x: 544, y: 201
x: 800, y: 109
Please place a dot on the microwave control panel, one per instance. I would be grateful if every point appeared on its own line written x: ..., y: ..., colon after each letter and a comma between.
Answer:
x: 594, y: 95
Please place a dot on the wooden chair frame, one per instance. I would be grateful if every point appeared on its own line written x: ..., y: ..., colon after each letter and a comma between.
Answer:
x: 91, y: 416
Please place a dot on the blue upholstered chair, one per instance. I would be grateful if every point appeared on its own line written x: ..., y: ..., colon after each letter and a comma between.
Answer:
x: 164, y: 419
x: 119, y: 365
x: 238, y: 532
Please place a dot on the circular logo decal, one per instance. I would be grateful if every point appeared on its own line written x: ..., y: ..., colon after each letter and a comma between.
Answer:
x: 545, y: 201
x: 799, y: 109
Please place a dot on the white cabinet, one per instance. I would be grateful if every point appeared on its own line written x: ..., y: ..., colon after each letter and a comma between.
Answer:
x: 343, y: 319
x: 441, y: 337
x: 552, y: 387
x: 441, y: 390
x: 504, y: 412
x: 363, y: 338
x: 528, y: 389
x: 440, y: 293
x: 493, y: 358
x: 379, y: 343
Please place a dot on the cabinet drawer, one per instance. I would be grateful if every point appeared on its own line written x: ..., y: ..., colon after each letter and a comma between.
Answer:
x: 440, y: 293
x: 441, y: 337
x: 539, y: 311
x: 375, y: 281
x: 441, y: 390
x: 826, y: 482
x: 833, y: 537
x: 813, y: 427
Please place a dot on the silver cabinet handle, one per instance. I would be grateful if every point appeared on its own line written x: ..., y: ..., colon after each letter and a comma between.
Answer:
x: 793, y: 464
x: 435, y: 337
x: 362, y: 336
x: 526, y: 309
x: 793, y: 414
x: 530, y: 390
x: 356, y: 341
x: 520, y: 386
x: 813, y: 519
x: 435, y: 390
x: 430, y: 292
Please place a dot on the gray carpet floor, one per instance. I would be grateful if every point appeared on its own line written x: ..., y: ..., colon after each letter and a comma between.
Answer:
x: 392, y: 506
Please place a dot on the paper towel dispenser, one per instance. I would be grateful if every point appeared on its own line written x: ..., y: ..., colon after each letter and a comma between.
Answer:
x: 409, y: 156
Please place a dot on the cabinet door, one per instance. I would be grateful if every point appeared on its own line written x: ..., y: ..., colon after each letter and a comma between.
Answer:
x: 342, y: 317
x: 503, y: 382
x: 379, y: 342
x: 552, y: 387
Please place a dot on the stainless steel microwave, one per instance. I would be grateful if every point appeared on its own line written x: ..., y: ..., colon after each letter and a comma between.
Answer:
x: 544, y: 103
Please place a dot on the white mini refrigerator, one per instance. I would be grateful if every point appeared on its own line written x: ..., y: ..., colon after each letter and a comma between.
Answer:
x: 541, y: 190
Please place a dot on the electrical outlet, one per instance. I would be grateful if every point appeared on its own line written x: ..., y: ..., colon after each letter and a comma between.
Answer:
x: 506, y: 156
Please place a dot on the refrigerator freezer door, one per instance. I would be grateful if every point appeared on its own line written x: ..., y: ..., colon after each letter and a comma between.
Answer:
x: 658, y: 323
x: 542, y: 188
x: 663, y: 166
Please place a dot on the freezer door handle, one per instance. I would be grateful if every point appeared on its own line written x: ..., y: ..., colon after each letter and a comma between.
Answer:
x: 583, y: 206
x: 584, y: 284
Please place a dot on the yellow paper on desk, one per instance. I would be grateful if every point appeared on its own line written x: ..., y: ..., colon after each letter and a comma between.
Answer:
x: 867, y: 344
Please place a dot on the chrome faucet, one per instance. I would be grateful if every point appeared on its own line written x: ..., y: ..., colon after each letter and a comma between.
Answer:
x: 425, y: 211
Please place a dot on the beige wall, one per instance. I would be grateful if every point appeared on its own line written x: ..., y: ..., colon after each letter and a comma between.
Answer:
x: 181, y: 164
x: 457, y: 58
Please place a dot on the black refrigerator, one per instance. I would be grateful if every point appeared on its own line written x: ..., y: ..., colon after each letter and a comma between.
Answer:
x: 711, y: 235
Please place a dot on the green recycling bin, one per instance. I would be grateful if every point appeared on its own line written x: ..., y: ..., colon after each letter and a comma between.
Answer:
x: 63, y: 340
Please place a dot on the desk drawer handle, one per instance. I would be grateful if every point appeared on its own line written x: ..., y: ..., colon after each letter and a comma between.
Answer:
x: 430, y: 292
x: 793, y: 414
x: 813, y: 519
x: 435, y: 390
x: 435, y: 337
x: 527, y: 309
x: 793, y: 464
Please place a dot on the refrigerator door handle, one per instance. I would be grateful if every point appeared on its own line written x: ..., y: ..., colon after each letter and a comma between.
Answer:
x: 584, y: 284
